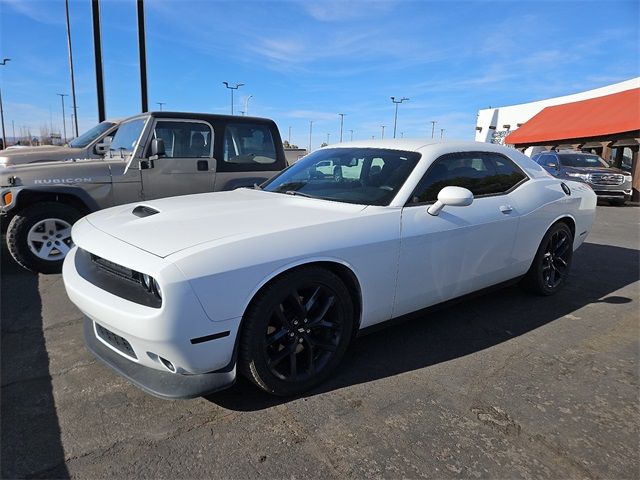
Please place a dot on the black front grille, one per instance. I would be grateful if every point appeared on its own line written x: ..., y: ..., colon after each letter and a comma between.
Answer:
x: 116, y: 341
x: 606, y: 179
x: 115, y: 269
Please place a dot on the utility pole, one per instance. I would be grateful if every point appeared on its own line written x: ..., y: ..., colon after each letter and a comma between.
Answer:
x: 246, y: 104
x: 433, y: 127
x: 73, y: 82
x: 341, y: 123
x: 351, y: 135
x: 64, y: 121
x: 289, y: 136
x: 395, y: 118
x: 232, y: 88
x: 382, y: 138
x: 328, y: 134
x: 143, y: 57
x: 160, y: 104
x: 310, y: 131
x: 97, y: 53
x: 441, y: 132
x: 4, y: 137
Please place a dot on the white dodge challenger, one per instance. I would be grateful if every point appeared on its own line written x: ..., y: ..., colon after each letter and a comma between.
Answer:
x: 276, y: 281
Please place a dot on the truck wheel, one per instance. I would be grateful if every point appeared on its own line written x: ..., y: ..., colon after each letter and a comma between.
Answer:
x: 39, y: 236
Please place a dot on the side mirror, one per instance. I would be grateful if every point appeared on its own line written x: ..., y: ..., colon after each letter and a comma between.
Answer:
x: 453, y: 197
x: 103, y: 147
x: 157, y: 148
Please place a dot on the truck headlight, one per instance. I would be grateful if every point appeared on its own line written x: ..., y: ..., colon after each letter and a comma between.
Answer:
x: 581, y: 176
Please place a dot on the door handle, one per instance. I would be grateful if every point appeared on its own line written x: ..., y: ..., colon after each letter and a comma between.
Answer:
x: 202, y: 165
x: 506, y: 209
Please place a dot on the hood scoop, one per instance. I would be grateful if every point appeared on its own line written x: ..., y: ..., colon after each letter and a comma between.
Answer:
x: 144, y: 211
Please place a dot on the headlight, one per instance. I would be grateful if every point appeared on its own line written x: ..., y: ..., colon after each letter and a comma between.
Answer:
x: 146, y: 281
x: 581, y: 176
x: 156, y: 288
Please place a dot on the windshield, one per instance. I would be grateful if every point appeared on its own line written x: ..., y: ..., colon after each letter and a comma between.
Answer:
x: 127, y: 136
x: 90, y: 135
x: 581, y: 160
x: 366, y: 176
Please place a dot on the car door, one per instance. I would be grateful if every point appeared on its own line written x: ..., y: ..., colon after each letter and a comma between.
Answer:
x: 462, y: 249
x: 187, y: 166
x: 247, y: 154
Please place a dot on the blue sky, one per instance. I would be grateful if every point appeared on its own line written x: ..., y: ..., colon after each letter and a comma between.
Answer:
x: 310, y: 60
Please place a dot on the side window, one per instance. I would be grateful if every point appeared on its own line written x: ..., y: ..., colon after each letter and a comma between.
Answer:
x: 248, y: 144
x: 185, y: 139
x: 548, y: 160
x: 482, y: 173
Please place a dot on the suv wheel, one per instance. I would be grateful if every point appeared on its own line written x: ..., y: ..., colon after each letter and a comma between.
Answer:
x: 39, y: 236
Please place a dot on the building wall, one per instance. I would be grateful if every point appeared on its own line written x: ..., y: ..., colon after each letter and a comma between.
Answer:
x: 506, y: 119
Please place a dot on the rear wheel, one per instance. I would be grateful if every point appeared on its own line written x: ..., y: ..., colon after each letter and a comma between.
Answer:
x: 39, y: 236
x: 552, y: 262
x: 296, y: 331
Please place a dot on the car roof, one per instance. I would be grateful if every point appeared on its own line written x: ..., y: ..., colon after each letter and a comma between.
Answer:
x: 419, y: 144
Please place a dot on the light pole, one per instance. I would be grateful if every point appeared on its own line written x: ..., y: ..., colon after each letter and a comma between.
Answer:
x: 160, y: 104
x: 383, y: 126
x: 64, y: 122
x: 289, y: 140
x: 73, y: 82
x: 341, y: 124
x: 433, y: 127
x: 351, y: 134
x: 395, y: 119
x: 328, y: 135
x: 4, y: 137
x: 441, y: 132
x: 232, y: 88
x: 246, y: 105
x: 310, y: 131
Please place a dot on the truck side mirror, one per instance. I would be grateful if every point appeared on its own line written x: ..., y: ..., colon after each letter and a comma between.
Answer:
x: 157, y: 148
x: 103, y: 147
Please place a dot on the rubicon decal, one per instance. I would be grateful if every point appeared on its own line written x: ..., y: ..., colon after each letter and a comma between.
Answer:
x: 49, y: 181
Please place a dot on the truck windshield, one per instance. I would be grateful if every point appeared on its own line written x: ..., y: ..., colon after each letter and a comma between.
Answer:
x: 127, y: 136
x: 90, y: 135
x: 581, y: 160
x: 366, y: 176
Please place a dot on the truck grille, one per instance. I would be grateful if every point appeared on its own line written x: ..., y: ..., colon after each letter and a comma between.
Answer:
x: 116, y: 341
x: 606, y: 178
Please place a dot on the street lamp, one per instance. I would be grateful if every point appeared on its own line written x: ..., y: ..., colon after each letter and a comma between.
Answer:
x: 328, y: 135
x: 246, y: 105
x: 289, y: 135
x: 4, y: 137
x: 433, y: 127
x: 351, y: 134
x: 395, y: 119
x: 73, y: 81
x: 160, y: 104
x: 310, y: 131
x: 64, y: 122
x: 441, y: 132
x: 341, y: 123
x: 383, y: 126
x: 232, y: 88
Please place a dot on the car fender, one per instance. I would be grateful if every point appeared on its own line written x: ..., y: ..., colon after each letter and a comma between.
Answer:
x: 78, y: 193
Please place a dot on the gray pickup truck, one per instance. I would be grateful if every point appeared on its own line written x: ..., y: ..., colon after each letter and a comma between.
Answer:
x: 153, y: 155
x: 93, y: 143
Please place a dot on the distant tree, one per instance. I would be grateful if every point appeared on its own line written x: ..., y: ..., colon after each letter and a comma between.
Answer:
x: 324, y: 144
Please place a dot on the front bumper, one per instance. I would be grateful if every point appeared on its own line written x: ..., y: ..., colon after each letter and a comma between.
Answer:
x: 156, y: 382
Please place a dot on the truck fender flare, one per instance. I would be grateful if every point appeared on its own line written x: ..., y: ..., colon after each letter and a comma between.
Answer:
x: 78, y: 193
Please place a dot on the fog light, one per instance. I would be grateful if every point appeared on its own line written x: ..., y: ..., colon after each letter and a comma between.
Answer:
x: 168, y: 365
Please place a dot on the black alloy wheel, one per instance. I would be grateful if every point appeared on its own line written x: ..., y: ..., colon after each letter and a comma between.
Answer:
x: 296, y: 331
x: 551, y: 266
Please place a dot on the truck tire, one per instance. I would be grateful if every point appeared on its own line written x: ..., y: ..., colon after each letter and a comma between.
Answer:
x: 39, y: 236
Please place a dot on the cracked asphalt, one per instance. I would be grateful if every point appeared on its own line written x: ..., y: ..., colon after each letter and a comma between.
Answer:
x: 506, y: 385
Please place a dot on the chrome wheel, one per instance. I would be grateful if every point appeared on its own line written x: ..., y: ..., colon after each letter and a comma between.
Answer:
x: 556, y: 258
x: 50, y: 239
x: 303, y: 332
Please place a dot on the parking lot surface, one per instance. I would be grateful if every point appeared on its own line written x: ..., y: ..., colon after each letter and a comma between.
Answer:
x: 503, y: 385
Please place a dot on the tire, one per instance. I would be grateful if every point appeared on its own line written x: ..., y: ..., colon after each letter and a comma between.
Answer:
x: 296, y: 331
x: 30, y: 230
x: 552, y: 263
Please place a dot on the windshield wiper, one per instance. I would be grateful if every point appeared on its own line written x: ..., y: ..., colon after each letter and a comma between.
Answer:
x: 299, y: 194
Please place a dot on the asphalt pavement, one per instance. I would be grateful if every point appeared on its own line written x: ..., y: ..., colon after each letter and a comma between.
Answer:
x: 507, y: 385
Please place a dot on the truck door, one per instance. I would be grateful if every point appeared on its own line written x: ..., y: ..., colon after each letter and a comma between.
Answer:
x: 188, y: 165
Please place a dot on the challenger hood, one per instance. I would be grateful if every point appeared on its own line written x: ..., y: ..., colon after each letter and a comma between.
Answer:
x: 166, y: 226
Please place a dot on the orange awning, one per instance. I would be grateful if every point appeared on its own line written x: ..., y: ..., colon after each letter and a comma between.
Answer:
x: 607, y: 115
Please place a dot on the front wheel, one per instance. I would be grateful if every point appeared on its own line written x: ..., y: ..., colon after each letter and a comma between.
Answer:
x: 39, y: 236
x: 551, y: 265
x: 296, y: 331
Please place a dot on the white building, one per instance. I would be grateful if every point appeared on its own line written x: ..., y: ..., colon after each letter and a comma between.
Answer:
x: 494, y: 124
